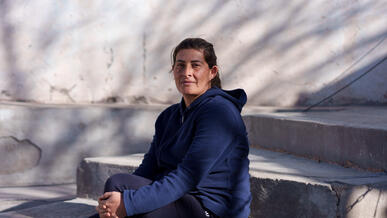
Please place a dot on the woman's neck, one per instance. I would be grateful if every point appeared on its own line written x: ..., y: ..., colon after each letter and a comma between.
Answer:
x: 189, y: 99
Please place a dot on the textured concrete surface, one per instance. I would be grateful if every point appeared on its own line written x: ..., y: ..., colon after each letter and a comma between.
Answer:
x: 17, y: 156
x: 43, y: 144
x: 363, y: 201
x: 282, y: 185
x: 283, y: 198
x: 287, y: 186
x: 349, y: 136
x: 75, y: 52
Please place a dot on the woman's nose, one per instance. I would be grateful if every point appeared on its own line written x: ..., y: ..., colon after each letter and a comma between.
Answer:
x: 188, y: 71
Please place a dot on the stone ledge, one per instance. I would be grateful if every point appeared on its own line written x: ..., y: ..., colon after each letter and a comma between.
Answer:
x: 93, y: 172
x: 282, y: 185
x: 349, y: 136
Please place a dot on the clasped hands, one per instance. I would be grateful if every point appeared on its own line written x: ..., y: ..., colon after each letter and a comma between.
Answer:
x: 111, y: 205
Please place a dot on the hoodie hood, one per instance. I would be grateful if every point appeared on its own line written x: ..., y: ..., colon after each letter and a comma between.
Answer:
x: 237, y: 97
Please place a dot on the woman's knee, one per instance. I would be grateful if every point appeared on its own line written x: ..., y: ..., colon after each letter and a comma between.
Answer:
x: 112, y: 182
x: 123, y: 181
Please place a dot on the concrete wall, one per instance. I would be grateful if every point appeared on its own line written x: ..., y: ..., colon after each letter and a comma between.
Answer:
x: 283, y: 53
x: 42, y: 145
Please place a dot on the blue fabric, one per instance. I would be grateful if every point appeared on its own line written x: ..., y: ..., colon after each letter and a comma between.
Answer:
x: 201, y: 150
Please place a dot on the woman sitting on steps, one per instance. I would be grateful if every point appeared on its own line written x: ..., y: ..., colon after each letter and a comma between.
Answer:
x: 197, y: 164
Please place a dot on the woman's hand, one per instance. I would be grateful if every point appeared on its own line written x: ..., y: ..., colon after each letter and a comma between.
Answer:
x: 102, y: 209
x: 110, y: 204
x: 104, y: 212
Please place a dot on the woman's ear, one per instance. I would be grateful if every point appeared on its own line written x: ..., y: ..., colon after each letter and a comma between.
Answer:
x: 214, y: 71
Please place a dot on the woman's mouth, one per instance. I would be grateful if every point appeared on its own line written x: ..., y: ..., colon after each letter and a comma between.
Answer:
x: 187, y: 82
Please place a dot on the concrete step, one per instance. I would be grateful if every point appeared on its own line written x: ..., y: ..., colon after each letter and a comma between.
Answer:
x: 349, y: 136
x: 282, y: 185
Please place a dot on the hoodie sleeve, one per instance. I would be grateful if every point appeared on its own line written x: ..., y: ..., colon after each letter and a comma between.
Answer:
x: 214, y: 133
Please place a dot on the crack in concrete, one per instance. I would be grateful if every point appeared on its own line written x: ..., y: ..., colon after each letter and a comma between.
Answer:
x: 144, y: 57
x: 18, y: 155
x: 358, y: 200
x: 337, y: 189
x: 377, y: 203
x: 110, y: 63
x: 63, y: 91
x: 7, y: 94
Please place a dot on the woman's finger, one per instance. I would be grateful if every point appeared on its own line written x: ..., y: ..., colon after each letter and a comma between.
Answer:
x: 107, y: 214
x: 105, y: 196
x: 101, y: 209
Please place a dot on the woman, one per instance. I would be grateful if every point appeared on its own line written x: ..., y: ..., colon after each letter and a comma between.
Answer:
x: 197, y: 164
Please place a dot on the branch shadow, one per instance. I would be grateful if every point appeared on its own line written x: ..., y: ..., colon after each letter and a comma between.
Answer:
x: 356, y: 93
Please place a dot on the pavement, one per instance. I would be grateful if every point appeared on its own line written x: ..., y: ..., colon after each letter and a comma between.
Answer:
x: 44, y: 201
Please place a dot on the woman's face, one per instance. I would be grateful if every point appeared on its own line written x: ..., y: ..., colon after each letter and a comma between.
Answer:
x: 192, y: 74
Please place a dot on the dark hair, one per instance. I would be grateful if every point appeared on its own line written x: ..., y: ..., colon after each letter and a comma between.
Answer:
x: 208, y: 52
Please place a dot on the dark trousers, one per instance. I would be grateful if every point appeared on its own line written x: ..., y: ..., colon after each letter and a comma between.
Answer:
x: 186, y: 206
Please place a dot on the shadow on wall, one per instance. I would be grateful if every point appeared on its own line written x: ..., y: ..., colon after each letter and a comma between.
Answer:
x: 13, y: 73
x: 66, y: 135
x: 274, y: 64
x: 279, y: 51
x: 318, y: 79
x: 364, y: 86
x: 21, y: 77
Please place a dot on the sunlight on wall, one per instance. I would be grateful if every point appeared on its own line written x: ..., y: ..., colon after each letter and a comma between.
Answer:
x: 283, y: 53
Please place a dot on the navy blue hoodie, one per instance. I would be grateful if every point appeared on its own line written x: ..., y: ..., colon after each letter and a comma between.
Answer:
x: 201, y: 150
